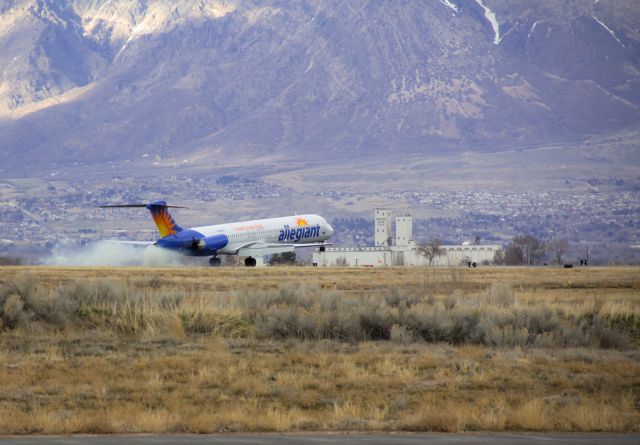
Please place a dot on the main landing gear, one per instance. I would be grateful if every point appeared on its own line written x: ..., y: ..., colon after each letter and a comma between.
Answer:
x: 250, y: 262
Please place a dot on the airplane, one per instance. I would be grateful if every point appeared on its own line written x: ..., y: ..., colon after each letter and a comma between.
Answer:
x: 250, y: 239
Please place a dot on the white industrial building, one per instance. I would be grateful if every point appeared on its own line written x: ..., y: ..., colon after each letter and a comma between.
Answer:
x: 402, y: 252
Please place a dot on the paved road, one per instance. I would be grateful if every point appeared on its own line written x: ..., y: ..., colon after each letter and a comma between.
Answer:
x: 335, y: 439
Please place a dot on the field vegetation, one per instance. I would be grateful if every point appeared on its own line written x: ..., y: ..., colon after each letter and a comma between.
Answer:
x: 99, y: 350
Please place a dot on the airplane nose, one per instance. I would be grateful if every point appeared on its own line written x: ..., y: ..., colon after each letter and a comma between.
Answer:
x: 329, y: 229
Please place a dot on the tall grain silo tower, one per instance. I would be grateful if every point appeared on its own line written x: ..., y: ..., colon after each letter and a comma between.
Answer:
x: 383, y: 227
x: 404, y: 231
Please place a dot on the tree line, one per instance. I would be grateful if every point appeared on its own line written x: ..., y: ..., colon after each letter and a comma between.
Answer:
x: 527, y: 250
x: 523, y: 250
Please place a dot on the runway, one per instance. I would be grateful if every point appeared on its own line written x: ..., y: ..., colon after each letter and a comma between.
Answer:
x: 334, y: 439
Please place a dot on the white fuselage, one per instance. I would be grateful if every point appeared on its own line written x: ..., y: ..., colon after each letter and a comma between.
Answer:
x: 299, y: 229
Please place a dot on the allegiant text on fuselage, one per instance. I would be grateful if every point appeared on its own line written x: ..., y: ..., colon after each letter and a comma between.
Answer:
x: 298, y: 233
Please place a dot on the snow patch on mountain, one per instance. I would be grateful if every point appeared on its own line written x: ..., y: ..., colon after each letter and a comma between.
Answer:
x: 491, y: 16
x: 609, y: 30
x: 450, y: 4
x: 126, y: 21
x: 257, y: 14
x: 532, y: 30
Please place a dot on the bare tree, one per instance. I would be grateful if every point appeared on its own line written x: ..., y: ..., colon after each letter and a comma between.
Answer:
x: 398, y: 259
x: 341, y: 262
x: 524, y: 250
x: 283, y: 258
x: 431, y: 249
x: 558, y: 247
x: 533, y: 250
x: 513, y: 255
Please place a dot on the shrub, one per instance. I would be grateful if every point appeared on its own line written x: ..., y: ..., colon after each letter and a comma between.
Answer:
x: 22, y: 302
x: 499, y: 295
x: 491, y: 319
x: 13, y: 313
x: 95, y: 292
x: 400, y: 334
x: 308, y: 312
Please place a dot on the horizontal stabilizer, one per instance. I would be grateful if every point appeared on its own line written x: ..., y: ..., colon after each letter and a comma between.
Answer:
x: 131, y: 243
x: 164, y: 221
x: 125, y: 206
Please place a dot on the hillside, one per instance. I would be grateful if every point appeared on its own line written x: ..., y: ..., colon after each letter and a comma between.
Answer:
x: 89, y: 81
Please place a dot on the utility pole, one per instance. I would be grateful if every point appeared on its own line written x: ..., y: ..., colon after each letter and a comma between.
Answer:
x: 587, y: 255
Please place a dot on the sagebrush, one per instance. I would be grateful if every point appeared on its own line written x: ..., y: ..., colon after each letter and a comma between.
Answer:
x: 492, y: 317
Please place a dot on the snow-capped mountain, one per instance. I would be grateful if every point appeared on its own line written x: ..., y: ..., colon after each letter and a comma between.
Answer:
x: 95, y: 80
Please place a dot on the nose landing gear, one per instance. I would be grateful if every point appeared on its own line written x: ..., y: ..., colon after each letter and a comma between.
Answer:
x: 214, y: 262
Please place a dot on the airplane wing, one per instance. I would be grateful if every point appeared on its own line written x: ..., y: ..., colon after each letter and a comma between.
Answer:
x: 258, y: 249
x: 131, y: 243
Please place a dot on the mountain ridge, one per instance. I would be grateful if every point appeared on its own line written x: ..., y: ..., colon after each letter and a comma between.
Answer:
x: 198, y: 80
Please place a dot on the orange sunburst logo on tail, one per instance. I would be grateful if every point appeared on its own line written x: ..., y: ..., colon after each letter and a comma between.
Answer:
x: 301, y: 222
x: 165, y: 223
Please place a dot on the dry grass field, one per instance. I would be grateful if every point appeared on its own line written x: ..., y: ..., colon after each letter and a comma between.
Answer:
x: 102, y: 350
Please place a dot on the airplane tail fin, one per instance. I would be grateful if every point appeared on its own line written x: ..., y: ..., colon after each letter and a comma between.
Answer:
x: 164, y: 221
x: 159, y: 212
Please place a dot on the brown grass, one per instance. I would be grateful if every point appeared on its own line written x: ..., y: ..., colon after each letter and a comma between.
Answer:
x: 193, y: 350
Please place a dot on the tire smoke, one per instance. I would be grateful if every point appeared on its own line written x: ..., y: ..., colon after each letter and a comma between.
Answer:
x: 112, y: 254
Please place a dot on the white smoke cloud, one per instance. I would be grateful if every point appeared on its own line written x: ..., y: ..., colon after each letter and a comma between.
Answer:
x: 112, y: 254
